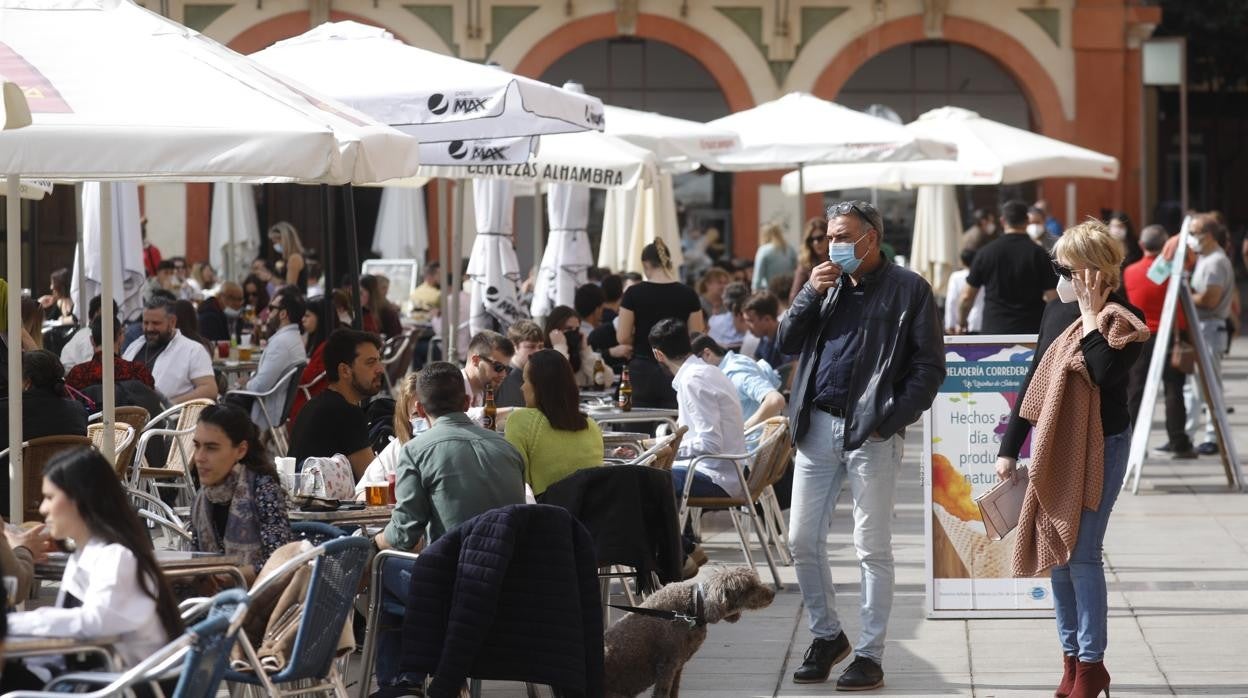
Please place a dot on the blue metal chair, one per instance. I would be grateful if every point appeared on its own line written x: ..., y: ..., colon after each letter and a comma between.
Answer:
x: 197, y: 658
x: 315, y: 532
x: 337, y: 566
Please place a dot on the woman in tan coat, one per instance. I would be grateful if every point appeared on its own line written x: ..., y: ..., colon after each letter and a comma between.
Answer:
x: 1075, y: 398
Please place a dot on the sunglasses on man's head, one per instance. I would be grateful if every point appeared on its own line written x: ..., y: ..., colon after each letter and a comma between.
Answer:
x: 866, y: 212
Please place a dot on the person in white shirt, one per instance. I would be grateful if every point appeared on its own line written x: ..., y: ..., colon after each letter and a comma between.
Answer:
x: 957, y: 284
x: 488, y: 363
x: 708, y: 405
x: 181, y: 367
x: 79, y: 350
x: 284, y: 350
x: 112, y: 584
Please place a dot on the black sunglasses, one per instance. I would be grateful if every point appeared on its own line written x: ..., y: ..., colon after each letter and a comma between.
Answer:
x: 844, y: 208
x: 1062, y: 270
x: 498, y: 366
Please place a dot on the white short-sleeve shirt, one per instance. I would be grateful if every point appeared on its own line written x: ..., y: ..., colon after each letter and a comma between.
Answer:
x: 178, y: 365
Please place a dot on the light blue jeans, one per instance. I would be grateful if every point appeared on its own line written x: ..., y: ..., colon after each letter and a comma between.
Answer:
x: 1079, y: 594
x: 821, y: 466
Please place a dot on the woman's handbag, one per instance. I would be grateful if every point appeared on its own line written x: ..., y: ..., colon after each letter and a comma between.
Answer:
x: 1001, y: 506
x: 1183, y: 357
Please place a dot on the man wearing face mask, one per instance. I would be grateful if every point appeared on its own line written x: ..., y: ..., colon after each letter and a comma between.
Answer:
x: 1037, y: 231
x: 872, y: 359
x: 982, y: 232
x: 181, y: 366
x: 1213, y: 286
x: 218, y: 316
x: 284, y: 349
x: 1016, y: 276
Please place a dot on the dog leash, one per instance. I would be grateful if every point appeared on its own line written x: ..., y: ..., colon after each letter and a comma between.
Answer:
x: 695, y: 619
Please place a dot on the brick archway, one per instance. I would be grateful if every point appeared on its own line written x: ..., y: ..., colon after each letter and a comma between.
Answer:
x: 709, y: 53
x: 1033, y: 80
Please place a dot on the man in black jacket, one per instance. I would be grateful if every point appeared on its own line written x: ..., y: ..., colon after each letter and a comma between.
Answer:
x: 872, y: 358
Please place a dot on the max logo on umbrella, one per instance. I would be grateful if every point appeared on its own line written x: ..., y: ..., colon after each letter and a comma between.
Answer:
x: 459, y: 150
x: 438, y: 104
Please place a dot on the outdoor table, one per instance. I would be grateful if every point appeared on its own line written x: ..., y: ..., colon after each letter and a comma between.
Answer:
x: 638, y: 415
x: 173, y: 563
x: 611, y: 440
x: 375, y: 515
x: 605, y: 397
x: 234, y: 370
x: 20, y: 646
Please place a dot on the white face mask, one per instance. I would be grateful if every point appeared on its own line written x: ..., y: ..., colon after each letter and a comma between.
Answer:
x: 1193, y: 243
x: 990, y: 227
x: 1066, y: 290
x: 1036, y: 231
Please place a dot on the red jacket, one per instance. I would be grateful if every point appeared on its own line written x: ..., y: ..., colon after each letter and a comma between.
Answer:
x: 1146, y: 295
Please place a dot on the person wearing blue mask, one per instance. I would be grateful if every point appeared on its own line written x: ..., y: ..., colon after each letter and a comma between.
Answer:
x: 872, y: 357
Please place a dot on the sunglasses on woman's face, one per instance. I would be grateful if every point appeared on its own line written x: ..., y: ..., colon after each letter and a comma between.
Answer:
x: 1064, y: 271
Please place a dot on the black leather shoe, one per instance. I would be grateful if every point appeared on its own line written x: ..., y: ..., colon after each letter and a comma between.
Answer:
x: 821, y: 656
x: 862, y: 675
x: 1165, y: 448
x: 1184, y: 454
x: 1208, y: 448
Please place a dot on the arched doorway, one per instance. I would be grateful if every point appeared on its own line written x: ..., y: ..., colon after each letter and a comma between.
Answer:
x: 913, y: 78
x: 651, y: 75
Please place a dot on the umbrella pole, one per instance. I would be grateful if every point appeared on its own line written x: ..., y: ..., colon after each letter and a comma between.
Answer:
x: 353, y: 254
x: 329, y: 281
x: 801, y: 198
x: 80, y: 262
x: 13, y: 247
x: 444, y: 264
x: 457, y: 263
x: 537, y: 224
x: 106, y: 325
x: 229, y: 222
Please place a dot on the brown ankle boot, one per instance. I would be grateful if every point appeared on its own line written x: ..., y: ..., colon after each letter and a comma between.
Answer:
x: 1068, y: 677
x: 1091, y: 679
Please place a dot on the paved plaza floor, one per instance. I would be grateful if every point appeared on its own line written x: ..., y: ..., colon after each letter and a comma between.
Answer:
x: 1176, y: 557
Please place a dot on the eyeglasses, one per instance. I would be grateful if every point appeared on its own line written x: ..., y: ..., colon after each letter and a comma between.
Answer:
x: 866, y: 212
x: 1063, y: 271
x: 498, y: 366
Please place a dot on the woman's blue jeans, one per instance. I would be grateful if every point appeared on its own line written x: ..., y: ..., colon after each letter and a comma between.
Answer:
x: 1079, y: 594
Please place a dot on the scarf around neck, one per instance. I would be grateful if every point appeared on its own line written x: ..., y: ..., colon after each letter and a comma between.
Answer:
x: 242, y: 527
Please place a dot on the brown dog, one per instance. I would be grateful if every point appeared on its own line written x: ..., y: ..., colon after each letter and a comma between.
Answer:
x: 642, y: 652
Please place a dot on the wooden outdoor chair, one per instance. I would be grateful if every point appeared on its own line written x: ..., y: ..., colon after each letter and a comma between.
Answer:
x: 35, y: 454
x: 123, y: 439
x: 175, y: 426
x: 134, y: 416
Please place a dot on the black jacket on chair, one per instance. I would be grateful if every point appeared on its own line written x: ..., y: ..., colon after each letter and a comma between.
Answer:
x: 902, y: 362
x: 510, y: 595
x: 630, y: 511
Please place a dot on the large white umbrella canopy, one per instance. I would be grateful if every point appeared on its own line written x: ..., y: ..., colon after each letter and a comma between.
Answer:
x: 233, y: 230
x: 461, y: 111
x: 988, y: 152
x: 120, y: 93
x: 937, y: 228
x: 126, y: 240
x: 492, y: 267
x: 679, y: 144
x: 801, y: 129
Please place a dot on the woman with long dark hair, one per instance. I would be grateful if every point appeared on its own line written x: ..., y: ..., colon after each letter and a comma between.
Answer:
x: 188, y: 324
x: 551, y: 433
x: 659, y: 297
x: 1120, y: 229
x: 58, y: 304
x: 814, y: 252
x: 112, y: 585
x: 316, y: 327
x: 563, y: 333
x: 241, y: 508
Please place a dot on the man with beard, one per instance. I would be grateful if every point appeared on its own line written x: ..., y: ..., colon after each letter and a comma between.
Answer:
x: 284, y: 349
x: 218, y: 316
x: 334, y: 421
x: 181, y: 366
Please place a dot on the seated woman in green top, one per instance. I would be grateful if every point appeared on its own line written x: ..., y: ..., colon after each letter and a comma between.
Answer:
x: 552, y: 435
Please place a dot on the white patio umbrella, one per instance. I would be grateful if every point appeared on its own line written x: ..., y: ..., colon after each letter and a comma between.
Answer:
x: 937, y: 226
x: 679, y: 144
x: 126, y: 241
x: 462, y: 112
x: 988, y: 152
x: 799, y: 130
x: 402, y: 230
x: 119, y: 93
x: 233, y: 230
x: 33, y: 189
x: 493, y: 270
x: 632, y: 218
x: 568, y: 257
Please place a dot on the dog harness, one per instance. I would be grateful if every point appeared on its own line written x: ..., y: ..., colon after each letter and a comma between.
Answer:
x: 694, y: 618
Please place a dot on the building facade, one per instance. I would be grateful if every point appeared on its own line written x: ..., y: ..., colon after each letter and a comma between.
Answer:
x: 1069, y: 69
